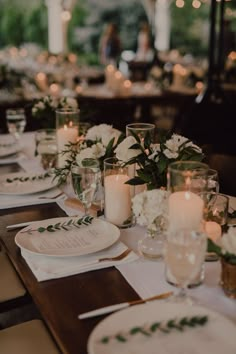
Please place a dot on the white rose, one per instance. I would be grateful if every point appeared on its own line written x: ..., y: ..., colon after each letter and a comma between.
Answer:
x: 123, y: 151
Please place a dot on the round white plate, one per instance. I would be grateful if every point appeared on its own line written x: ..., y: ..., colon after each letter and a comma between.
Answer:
x: 216, y: 336
x: 9, y: 149
x: 30, y: 186
x: 80, y: 241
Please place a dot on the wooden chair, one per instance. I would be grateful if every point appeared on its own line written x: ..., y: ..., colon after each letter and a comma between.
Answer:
x: 12, y: 292
x: 29, y: 337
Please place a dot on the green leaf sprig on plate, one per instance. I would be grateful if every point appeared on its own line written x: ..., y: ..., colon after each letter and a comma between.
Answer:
x: 164, y: 327
x: 31, y: 178
x: 65, y: 225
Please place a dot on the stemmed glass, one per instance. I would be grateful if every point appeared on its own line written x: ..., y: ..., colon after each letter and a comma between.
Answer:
x: 213, y: 181
x: 85, y: 181
x: 184, y: 256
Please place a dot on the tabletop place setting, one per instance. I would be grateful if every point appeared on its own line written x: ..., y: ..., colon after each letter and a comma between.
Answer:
x: 163, y: 225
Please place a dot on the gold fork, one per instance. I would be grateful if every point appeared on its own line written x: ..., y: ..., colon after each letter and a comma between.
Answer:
x: 116, y: 258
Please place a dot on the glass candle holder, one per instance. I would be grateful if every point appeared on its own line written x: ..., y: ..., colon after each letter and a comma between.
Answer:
x: 67, y: 130
x: 228, y: 278
x: 185, y: 180
x: 117, y: 193
x: 141, y: 130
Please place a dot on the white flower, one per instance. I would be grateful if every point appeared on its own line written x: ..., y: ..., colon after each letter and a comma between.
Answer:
x: 156, y: 148
x: 99, y: 150
x: 150, y: 206
x: 103, y: 133
x: 87, y: 153
x: 123, y: 151
x: 68, y: 102
x: 228, y: 241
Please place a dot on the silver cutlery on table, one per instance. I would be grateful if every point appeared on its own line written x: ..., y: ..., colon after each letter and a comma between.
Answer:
x: 123, y: 305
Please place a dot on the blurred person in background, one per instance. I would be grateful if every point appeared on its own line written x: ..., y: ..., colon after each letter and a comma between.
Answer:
x: 110, y: 45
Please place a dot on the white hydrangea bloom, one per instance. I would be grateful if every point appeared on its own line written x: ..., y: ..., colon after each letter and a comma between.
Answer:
x: 150, y: 205
x: 123, y: 151
x: 228, y: 241
x: 87, y: 153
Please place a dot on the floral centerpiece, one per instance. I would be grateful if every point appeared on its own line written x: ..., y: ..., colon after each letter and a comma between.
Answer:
x: 150, y: 209
x: 152, y: 160
x: 44, y: 109
x: 99, y: 143
x: 225, y: 248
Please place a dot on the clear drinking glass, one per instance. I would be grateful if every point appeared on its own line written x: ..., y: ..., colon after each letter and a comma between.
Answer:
x: 46, y: 147
x: 16, y: 122
x: 184, y: 256
x: 85, y: 181
x: 213, y: 181
x: 141, y: 130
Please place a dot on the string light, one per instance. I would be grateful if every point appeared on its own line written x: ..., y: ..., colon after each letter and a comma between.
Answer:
x: 196, y: 4
x: 180, y: 3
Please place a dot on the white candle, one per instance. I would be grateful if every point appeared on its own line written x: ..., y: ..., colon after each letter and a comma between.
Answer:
x: 185, y: 211
x: 118, y: 81
x: 213, y: 230
x: 109, y: 75
x: 68, y: 133
x: 117, y: 199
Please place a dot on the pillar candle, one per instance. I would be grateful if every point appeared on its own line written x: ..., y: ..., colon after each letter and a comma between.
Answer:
x: 65, y: 135
x: 185, y: 210
x: 117, y: 199
x: 55, y: 35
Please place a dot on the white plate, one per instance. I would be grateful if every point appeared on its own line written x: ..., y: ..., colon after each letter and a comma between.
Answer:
x: 87, y: 239
x: 9, y: 149
x: 216, y: 336
x: 25, y: 187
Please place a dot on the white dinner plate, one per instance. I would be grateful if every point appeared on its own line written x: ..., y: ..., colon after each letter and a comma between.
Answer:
x: 216, y: 336
x: 80, y: 241
x: 8, y: 149
x: 25, y: 183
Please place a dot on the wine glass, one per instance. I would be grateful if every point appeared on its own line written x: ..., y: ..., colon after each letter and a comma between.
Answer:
x: 16, y: 122
x: 184, y: 258
x: 85, y: 181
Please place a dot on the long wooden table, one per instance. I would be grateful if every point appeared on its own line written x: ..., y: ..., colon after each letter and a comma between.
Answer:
x: 60, y: 301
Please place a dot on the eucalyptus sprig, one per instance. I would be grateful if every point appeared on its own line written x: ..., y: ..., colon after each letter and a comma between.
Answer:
x: 71, y: 151
x: 66, y: 225
x: 164, y: 327
x: 31, y: 178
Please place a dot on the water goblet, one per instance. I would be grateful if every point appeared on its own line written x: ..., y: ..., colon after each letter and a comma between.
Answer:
x: 16, y: 122
x: 85, y: 180
x: 184, y: 258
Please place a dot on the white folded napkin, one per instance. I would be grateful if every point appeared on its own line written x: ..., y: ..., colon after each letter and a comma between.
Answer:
x: 47, y: 267
x: 13, y: 201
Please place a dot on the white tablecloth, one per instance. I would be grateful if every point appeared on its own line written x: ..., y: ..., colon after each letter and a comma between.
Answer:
x: 146, y: 277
